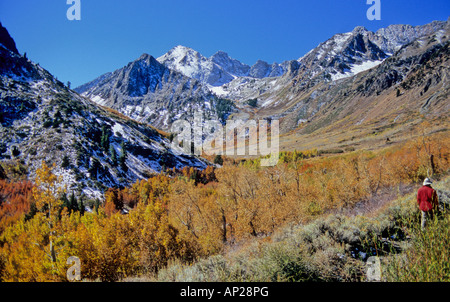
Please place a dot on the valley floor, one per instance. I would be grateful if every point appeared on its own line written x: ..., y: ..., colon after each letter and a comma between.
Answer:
x: 313, y: 217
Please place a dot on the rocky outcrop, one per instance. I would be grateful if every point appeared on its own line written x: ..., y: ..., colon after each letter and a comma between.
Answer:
x: 6, y: 40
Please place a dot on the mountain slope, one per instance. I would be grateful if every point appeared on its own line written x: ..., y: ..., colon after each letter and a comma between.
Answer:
x: 41, y: 119
x: 389, y: 99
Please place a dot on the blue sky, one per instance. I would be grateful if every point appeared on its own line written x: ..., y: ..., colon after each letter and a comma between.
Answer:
x: 113, y: 33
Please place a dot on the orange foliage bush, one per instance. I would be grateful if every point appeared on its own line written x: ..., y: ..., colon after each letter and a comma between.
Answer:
x: 15, y: 201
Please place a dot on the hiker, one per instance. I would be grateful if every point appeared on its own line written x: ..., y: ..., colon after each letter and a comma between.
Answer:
x: 427, y: 200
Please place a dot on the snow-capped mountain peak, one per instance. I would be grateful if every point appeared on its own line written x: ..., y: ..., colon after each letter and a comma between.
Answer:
x: 217, y: 70
x: 186, y: 61
x: 214, y: 71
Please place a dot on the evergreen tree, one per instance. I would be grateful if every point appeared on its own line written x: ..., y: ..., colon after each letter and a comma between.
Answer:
x: 163, y: 160
x: 113, y: 155
x: 65, y: 202
x: 104, y: 140
x: 65, y: 162
x: 81, y: 207
x: 33, y: 210
x: 96, y: 205
x: 123, y: 156
x: 218, y: 159
x: 2, y: 173
x: 171, y: 137
x: 57, y: 119
x: 94, y: 168
x: 15, y: 152
x: 73, y: 203
x: 114, y: 197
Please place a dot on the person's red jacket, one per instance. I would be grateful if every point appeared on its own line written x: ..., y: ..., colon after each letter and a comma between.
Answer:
x: 427, y: 198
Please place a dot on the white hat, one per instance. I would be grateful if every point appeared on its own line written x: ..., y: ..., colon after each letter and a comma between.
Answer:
x: 427, y: 181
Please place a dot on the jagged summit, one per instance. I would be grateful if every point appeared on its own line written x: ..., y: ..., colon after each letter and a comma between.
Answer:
x: 221, y: 54
x: 359, y: 29
x: 344, y: 55
x: 158, y: 91
x: 347, y: 54
x: 6, y: 40
x: 230, y: 65
x: 146, y: 56
x: 393, y: 37
x: 194, y: 65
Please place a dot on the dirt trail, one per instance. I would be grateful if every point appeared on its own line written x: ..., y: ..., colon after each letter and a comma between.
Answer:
x: 371, y: 205
x: 377, y: 201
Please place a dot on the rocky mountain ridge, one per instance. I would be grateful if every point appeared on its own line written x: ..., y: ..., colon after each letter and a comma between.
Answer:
x: 343, y: 55
x: 6, y: 40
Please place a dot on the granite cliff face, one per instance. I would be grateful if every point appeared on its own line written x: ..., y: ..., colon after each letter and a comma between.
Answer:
x: 393, y: 37
x: 230, y: 65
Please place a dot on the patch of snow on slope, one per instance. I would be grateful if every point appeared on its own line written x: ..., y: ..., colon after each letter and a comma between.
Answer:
x: 268, y: 102
x: 217, y: 90
x: 365, y: 66
x: 118, y: 128
x: 99, y: 100
x: 356, y: 69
